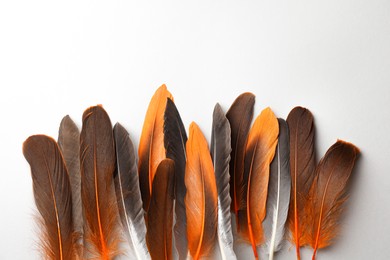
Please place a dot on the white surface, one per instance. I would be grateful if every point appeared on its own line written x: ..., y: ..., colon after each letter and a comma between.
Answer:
x: 333, y: 57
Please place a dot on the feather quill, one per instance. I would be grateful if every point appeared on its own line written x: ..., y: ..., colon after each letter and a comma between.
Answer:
x: 220, y: 152
x: 160, y: 214
x: 151, y: 149
x: 128, y: 193
x: 175, y: 139
x: 328, y: 194
x: 69, y: 144
x: 201, y: 197
x: 52, y: 195
x: 240, y: 116
x: 97, y: 157
x: 302, y: 165
x: 260, y: 151
x: 279, y: 188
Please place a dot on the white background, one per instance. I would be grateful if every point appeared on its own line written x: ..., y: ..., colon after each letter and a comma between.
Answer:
x: 58, y: 58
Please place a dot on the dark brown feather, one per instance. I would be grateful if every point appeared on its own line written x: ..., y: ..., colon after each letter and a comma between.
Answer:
x: 240, y: 116
x: 175, y: 139
x: 160, y: 214
x: 302, y: 165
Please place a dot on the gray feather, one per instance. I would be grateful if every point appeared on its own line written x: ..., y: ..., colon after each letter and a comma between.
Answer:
x: 128, y: 193
x: 220, y: 152
x: 69, y: 143
x: 278, y: 193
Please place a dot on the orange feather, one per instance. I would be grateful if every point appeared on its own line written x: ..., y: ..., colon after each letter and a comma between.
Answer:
x: 97, y: 157
x: 151, y: 149
x: 260, y: 151
x: 328, y: 194
x: 201, y: 197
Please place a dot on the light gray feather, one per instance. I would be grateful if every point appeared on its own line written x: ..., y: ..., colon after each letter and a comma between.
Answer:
x: 220, y: 152
x: 278, y: 193
x: 69, y: 143
x: 128, y: 193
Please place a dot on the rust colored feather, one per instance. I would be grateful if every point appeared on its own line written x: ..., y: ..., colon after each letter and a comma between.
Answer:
x: 53, y: 197
x: 201, y: 197
x: 328, y: 194
x: 160, y: 214
x: 151, y: 149
x: 302, y: 167
x: 240, y: 116
x: 97, y: 157
x: 260, y: 151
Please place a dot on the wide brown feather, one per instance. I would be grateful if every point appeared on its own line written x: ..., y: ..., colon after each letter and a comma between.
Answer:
x: 302, y: 167
x: 52, y: 194
x: 97, y: 157
x: 201, y: 197
x: 260, y: 151
x: 240, y: 116
x: 160, y: 214
x: 151, y: 149
x: 328, y: 194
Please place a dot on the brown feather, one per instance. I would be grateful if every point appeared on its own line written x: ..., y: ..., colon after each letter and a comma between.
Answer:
x: 160, y: 214
x: 151, y: 149
x: 97, y: 157
x: 201, y: 197
x: 52, y: 195
x: 260, y: 151
x: 69, y: 144
x: 328, y: 194
x: 240, y: 116
x: 302, y: 167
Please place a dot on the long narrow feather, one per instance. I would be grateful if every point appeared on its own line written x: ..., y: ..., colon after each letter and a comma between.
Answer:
x: 328, y: 194
x: 260, y: 151
x: 201, y: 197
x: 220, y: 152
x: 175, y: 139
x: 240, y: 116
x: 97, y: 157
x: 52, y: 195
x: 69, y: 144
x: 160, y: 214
x: 302, y: 165
x: 151, y: 149
x: 128, y: 193
x: 279, y: 188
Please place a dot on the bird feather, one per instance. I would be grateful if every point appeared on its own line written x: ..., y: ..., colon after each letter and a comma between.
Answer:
x: 220, y: 152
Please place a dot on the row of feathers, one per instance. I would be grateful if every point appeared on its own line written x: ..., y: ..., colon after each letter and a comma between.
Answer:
x: 176, y: 199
